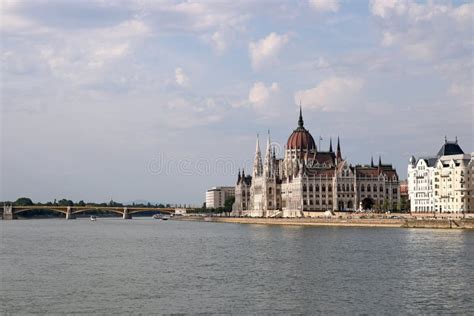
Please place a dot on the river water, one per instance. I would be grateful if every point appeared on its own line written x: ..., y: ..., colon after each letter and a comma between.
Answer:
x: 115, y: 266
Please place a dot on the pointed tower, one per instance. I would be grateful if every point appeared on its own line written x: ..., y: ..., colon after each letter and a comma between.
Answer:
x: 372, y: 161
x: 330, y: 145
x: 380, y: 161
x: 268, y: 168
x: 300, y: 119
x: 257, y: 163
x: 238, y: 178
x: 338, y: 153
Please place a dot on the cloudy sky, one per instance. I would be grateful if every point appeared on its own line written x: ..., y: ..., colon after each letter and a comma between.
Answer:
x: 160, y: 100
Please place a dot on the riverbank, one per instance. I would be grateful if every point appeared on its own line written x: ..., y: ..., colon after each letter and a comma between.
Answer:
x: 343, y: 222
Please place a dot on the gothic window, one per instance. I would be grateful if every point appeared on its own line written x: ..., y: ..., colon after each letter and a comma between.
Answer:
x: 323, y: 188
x: 317, y: 188
x: 338, y: 187
x: 381, y: 188
x: 329, y: 187
x: 347, y: 187
x: 304, y: 187
x: 311, y: 188
x: 269, y: 190
x: 375, y: 188
x: 362, y: 188
x: 368, y: 188
x: 352, y: 187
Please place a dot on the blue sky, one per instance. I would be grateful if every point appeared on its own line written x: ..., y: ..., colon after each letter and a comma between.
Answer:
x: 160, y: 100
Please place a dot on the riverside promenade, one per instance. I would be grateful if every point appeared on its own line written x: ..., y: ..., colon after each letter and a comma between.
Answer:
x: 407, y: 221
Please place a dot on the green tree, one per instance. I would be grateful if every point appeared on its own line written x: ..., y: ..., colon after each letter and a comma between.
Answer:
x: 228, y: 203
x: 81, y: 203
x: 65, y: 202
x: 23, y: 201
x: 367, y: 203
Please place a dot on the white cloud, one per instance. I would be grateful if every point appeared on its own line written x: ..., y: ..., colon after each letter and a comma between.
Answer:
x: 324, y: 5
x: 84, y: 57
x: 384, y: 8
x: 388, y: 39
x: 259, y: 94
x: 462, y: 90
x: 334, y: 94
x: 265, y: 51
x: 321, y: 63
x: 180, y: 77
x: 219, y: 42
x: 424, y: 31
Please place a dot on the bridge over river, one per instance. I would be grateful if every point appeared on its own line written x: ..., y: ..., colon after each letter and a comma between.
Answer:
x: 11, y: 211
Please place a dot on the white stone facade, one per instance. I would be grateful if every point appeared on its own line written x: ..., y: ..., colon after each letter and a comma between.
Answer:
x: 443, y: 183
x: 306, y: 181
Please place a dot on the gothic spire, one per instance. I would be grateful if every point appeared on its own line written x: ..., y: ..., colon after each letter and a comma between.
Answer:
x: 268, y: 158
x: 330, y: 144
x: 257, y: 163
x: 380, y: 161
x: 372, y: 161
x: 338, y: 153
x: 300, y: 120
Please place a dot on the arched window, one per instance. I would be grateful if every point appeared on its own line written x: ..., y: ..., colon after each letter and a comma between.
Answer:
x: 375, y: 188
x: 323, y: 188
x: 304, y: 187
x: 317, y: 188
x: 347, y: 187
x: 381, y: 189
x: 329, y: 187
x: 368, y: 187
x: 362, y: 188
x: 338, y: 187
x: 311, y: 188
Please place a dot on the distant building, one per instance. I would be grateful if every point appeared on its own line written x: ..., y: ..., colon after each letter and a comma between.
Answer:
x: 442, y: 183
x: 217, y: 196
x: 308, y: 180
x: 404, y: 195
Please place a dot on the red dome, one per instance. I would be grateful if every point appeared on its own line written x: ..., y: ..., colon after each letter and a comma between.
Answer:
x: 301, y: 138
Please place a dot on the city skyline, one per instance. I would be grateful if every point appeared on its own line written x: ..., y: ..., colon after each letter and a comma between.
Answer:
x: 95, y: 93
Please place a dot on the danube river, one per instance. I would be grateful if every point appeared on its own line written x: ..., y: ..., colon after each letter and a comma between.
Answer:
x: 115, y: 266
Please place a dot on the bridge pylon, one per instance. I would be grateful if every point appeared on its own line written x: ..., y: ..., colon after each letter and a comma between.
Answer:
x: 8, y: 212
x: 126, y: 215
x: 69, y: 214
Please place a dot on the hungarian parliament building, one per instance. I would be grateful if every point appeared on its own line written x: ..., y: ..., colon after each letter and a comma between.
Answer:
x: 307, y: 181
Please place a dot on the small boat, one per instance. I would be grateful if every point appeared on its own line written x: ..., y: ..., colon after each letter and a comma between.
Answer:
x: 157, y: 216
x: 93, y: 218
x: 165, y: 217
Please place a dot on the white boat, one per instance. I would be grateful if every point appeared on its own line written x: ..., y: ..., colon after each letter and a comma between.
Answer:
x: 165, y: 217
x: 93, y: 218
x: 157, y: 216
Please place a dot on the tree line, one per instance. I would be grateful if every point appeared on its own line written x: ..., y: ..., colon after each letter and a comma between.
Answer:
x: 25, y: 201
